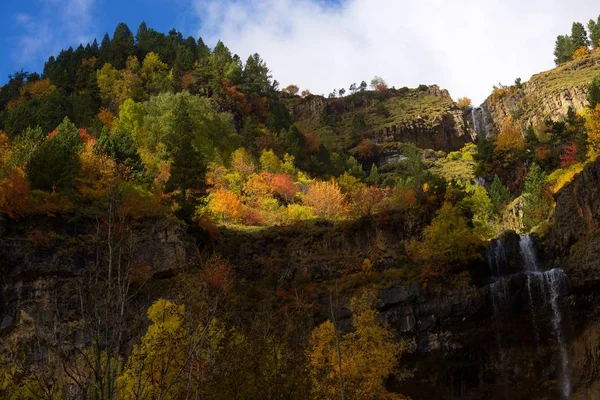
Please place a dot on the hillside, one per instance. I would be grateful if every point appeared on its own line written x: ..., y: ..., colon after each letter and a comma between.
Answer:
x: 174, y: 225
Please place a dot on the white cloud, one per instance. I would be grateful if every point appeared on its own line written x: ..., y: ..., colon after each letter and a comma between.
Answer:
x: 465, y: 46
x: 57, y: 25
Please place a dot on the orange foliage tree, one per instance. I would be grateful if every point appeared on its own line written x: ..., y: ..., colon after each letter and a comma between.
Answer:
x: 510, y: 137
x: 568, y: 156
x: 326, y: 199
x: 581, y: 52
x: 14, y: 194
x: 464, y: 102
x: 226, y: 206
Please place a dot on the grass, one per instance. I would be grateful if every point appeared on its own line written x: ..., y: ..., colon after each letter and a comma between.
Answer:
x: 400, y: 107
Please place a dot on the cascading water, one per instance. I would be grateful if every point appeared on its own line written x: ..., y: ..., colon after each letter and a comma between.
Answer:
x: 496, y: 258
x: 480, y: 121
x: 544, y: 291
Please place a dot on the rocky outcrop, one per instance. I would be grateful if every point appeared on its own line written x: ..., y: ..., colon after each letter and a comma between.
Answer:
x: 448, y: 131
x: 547, y: 95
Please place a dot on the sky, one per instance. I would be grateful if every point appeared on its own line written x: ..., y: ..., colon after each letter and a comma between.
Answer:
x: 465, y: 46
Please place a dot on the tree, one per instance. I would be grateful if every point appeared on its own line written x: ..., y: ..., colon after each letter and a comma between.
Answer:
x: 448, y: 243
x: 510, y: 137
x: 378, y: 84
x: 592, y: 126
x: 353, y: 88
x: 593, y: 96
x: 363, y: 358
x: 284, y: 186
x: 499, y: 194
x: 363, y: 86
x: 269, y: 161
x: 292, y: 89
x: 121, y: 46
x: 55, y: 163
x: 464, y: 103
x: 563, y: 49
x: 579, y: 36
x: 342, y: 92
x: 154, y: 367
x: 306, y: 93
x: 326, y: 200
x: 581, y: 52
x: 594, y: 28
x: 226, y: 206
x: 537, y: 199
x: 256, y: 76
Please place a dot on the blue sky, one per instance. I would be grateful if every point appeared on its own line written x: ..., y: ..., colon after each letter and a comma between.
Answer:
x: 466, y: 46
x: 58, y: 24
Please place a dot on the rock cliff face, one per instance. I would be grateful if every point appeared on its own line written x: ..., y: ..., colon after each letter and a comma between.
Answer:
x: 546, y: 95
x: 448, y: 131
x: 40, y: 279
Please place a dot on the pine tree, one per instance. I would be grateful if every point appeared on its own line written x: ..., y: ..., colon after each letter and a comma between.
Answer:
x: 594, y: 28
x: 579, y: 36
x: 563, y: 49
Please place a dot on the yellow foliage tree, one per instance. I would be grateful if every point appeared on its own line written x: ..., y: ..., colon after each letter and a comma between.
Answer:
x: 154, y: 368
x: 326, y: 199
x: 592, y: 126
x: 365, y: 359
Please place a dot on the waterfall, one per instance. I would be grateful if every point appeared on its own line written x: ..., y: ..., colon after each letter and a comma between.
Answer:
x: 555, y: 281
x: 496, y: 258
x: 543, y: 290
x: 480, y: 121
x: 528, y: 254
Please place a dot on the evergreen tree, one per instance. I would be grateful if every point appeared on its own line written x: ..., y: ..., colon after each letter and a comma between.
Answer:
x: 563, y: 49
x: 594, y: 28
x: 373, y: 178
x: 499, y: 194
x: 121, y: 46
x: 579, y: 37
x: 536, y: 200
x: 593, y: 96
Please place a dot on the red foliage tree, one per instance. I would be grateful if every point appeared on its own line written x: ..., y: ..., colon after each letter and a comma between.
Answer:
x: 569, y: 155
x: 284, y: 186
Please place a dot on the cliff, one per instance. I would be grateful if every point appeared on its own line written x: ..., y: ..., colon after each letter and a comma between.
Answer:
x: 426, y: 116
x: 546, y: 95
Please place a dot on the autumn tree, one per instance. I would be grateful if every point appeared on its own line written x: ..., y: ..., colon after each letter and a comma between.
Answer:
x: 326, y: 200
x: 226, y: 206
x: 292, y: 90
x: 464, y: 102
x: 363, y: 358
x: 448, y: 243
x: 510, y: 137
x: 155, y: 367
x: 592, y: 126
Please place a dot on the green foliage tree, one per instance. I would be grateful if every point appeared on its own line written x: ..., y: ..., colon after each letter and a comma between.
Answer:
x: 54, y: 163
x: 499, y: 194
x: 448, y: 243
x: 537, y: 200
x: 563, y: 49
x: 594, y: 28
x: 579, y: 36
x: 593, y: 96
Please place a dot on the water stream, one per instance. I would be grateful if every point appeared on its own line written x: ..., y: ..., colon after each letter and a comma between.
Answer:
x: 544, y: 291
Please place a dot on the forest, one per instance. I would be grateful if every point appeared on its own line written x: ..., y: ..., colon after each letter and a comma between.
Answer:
x: 153, y: 129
